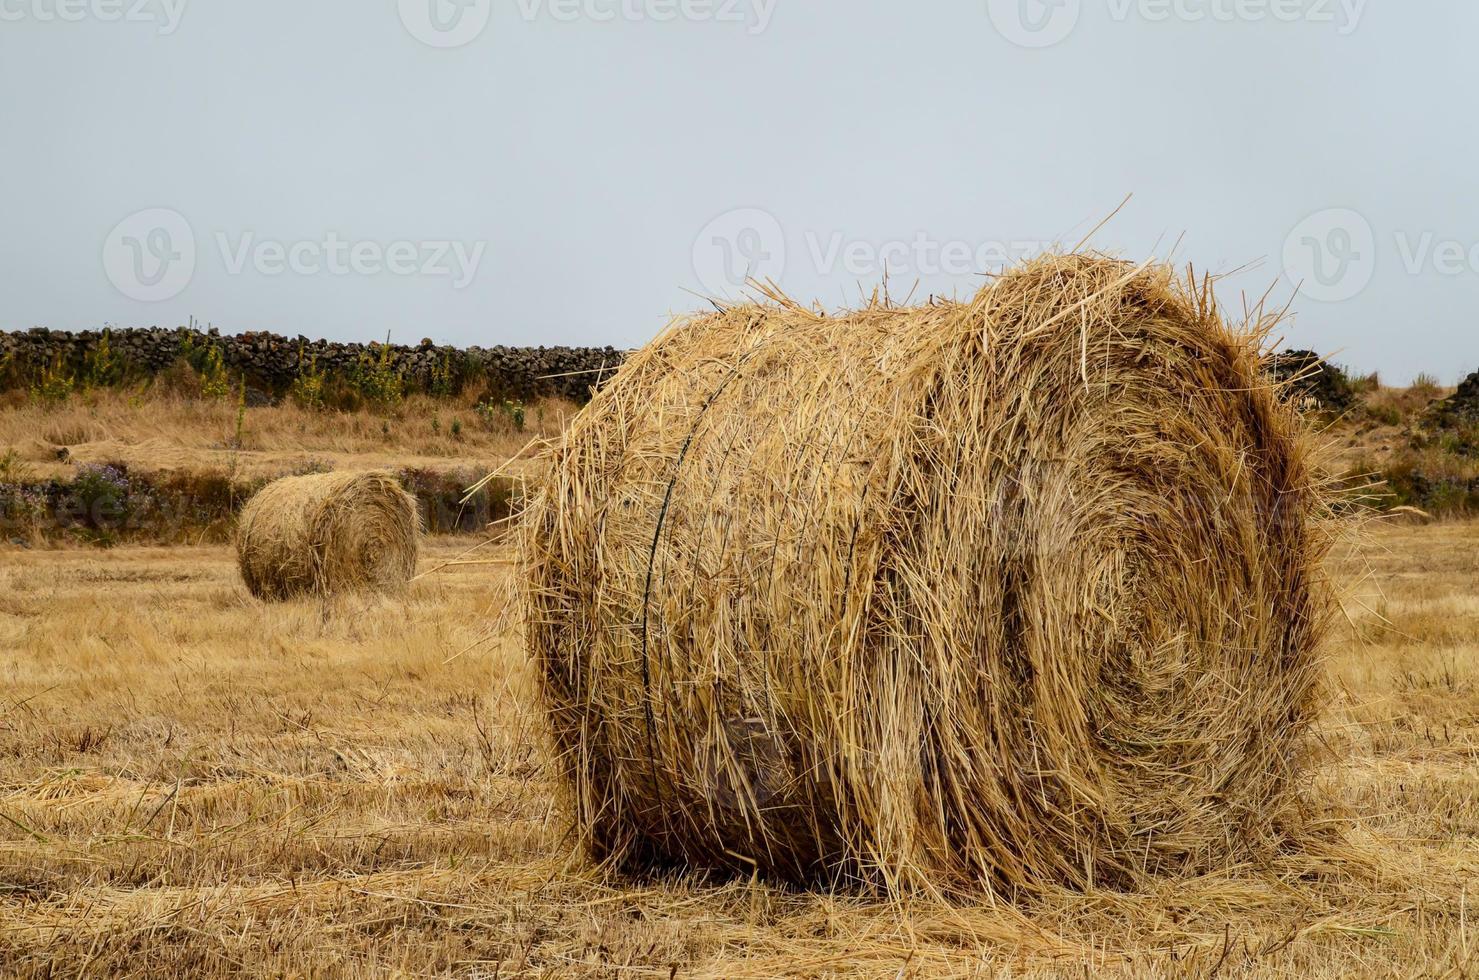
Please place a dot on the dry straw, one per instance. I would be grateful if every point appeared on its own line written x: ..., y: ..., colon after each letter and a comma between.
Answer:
x: 1011, y: 595
x: 328, y: 533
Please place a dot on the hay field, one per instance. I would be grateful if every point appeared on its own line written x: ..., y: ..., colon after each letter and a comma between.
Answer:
x: 192, y: 783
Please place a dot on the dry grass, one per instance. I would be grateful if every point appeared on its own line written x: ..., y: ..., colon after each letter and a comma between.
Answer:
x: 1379, y: 426
x: 160, y: 431
x: 196, y: 784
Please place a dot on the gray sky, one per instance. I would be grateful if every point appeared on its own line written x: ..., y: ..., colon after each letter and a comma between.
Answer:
x: 571, y: 171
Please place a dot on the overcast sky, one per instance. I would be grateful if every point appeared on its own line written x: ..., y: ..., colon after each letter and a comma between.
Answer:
x: 572, y: 171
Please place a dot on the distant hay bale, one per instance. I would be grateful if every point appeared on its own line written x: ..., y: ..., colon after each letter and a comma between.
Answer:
x: 1008, y: 595
x: 328, y: 533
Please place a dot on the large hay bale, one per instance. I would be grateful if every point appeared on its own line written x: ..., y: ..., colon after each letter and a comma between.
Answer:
x: 328, y: 533
x: 1015, y: 594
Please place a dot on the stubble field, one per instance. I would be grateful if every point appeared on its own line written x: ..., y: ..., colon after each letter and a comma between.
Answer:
x: 192, y: 783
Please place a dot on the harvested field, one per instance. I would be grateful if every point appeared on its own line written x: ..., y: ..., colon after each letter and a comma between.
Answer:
x: 195, y: 784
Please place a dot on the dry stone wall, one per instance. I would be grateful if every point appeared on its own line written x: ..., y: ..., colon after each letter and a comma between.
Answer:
x: 270, y: 362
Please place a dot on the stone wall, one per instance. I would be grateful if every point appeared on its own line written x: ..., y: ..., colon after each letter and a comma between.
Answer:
x: 1313, y: 378
x: 271, y: 362
x: 1459, y: 410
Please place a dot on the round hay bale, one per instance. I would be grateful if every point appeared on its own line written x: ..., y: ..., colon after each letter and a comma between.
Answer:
x: 328, y: 533
x: 1008, y: 595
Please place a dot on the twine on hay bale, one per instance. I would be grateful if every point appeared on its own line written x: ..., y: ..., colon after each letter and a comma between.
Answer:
x: 328, y: 533
x: 1008, y: 595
